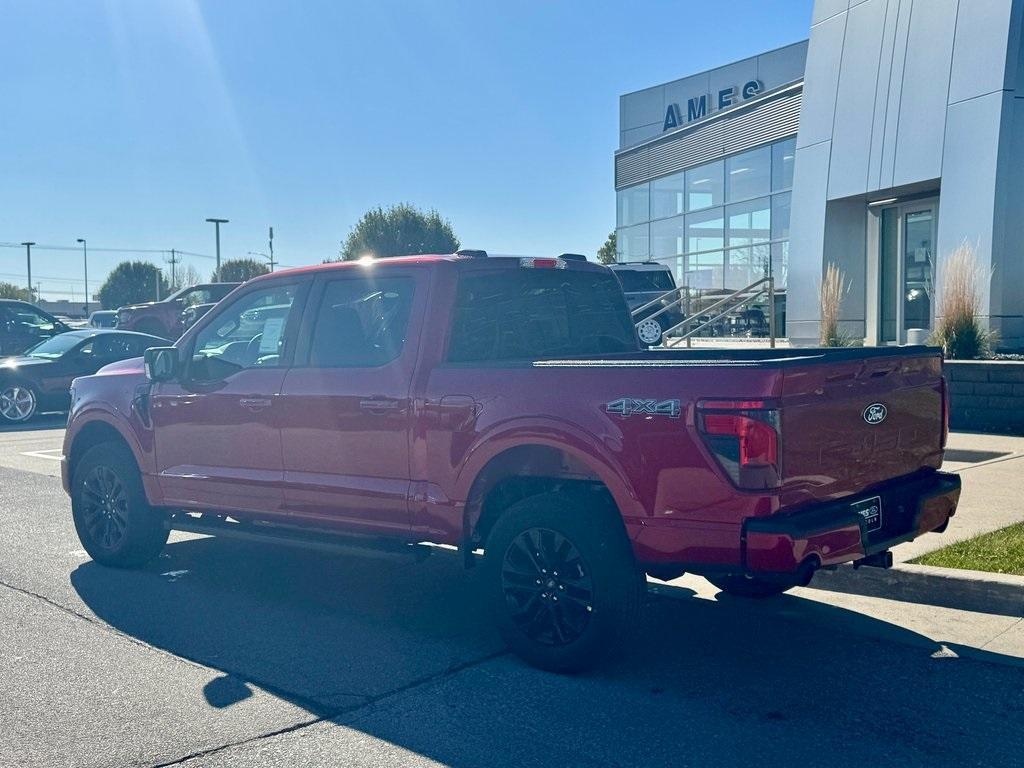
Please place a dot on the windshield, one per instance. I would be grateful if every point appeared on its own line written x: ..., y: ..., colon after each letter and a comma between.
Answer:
x: 640, y: 280
x: 54, y: 347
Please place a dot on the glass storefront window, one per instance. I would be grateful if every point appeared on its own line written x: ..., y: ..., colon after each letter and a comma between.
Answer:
x: 748, y: 223
x: 705, y: 186
x: 748, y: 174
x: 780, y: 231
x: 633, y: 205
x: 667, y: 237
x: 667, y: 196
x: 632, y: 243
x: 783, y: 159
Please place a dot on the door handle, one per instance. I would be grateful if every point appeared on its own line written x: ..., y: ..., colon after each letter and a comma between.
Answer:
x: 380, y: 405
x: 254, y: 403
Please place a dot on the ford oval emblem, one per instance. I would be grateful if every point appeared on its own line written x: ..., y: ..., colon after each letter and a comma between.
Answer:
x: 875, y: 413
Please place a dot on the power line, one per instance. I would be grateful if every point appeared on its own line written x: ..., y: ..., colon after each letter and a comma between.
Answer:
x: 109, y: 250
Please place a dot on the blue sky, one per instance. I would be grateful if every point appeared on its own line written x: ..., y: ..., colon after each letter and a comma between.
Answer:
x: 130, y: 123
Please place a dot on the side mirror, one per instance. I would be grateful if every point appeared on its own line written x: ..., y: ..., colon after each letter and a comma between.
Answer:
x: 161, y: 363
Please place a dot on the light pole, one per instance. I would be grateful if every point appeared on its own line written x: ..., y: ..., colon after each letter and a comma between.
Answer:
x: 85, y: 264
x: 28, y: 255
x: 216, y: 223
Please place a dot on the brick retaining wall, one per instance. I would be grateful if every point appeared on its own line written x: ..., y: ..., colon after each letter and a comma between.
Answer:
x: 986, y: 395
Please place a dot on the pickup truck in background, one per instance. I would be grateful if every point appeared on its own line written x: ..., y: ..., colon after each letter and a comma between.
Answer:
x: 505, y: 405
x: 164, y: 318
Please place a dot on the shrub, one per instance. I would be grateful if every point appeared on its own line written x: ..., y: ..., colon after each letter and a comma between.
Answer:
x: 959, y: 330
x: 833, y: 288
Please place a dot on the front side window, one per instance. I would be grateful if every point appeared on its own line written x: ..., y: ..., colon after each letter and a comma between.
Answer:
x: 361, y: 322
x: 539, y: 314
x: 250, y: 333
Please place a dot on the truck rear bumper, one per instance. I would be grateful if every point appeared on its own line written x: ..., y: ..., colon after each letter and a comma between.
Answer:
x: 840, y: 532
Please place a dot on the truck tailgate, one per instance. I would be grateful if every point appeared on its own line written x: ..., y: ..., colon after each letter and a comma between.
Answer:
x: 850, y: 425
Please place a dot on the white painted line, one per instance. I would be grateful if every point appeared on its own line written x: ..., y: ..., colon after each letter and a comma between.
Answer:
x: 45, y: 454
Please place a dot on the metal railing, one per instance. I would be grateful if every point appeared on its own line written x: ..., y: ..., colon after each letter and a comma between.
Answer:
x: 730, y: 303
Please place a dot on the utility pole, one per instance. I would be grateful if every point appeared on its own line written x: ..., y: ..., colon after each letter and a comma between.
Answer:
x: 173, y: 261
x: 28, y: 255
x: 216, y: 223
x: 270, y: 243
x: 85, y: 263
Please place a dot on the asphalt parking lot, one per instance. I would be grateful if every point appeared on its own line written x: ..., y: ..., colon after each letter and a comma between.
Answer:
x: 232, y: 654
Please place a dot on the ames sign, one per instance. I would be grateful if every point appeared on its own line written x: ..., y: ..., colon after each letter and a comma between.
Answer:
x: 697, y: 107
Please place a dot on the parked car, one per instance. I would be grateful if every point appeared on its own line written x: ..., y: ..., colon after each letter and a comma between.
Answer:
x: 23, y: 325
x: 103, y: 318
x: 643, y: 282
x: 505, y: 405
x: 38, y: 380
x: 163, y: 318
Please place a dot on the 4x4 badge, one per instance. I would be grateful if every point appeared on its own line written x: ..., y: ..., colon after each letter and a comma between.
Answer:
x: 875, y: 413
x: 627, y: 406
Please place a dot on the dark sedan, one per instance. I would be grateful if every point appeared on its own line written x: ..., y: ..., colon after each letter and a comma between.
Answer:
x: 39, y: 379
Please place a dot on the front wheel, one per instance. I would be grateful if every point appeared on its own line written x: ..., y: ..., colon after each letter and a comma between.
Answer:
x: 563, y: 583
x: 18, y: 403
x: 115, y: 523
x: 740, y: 585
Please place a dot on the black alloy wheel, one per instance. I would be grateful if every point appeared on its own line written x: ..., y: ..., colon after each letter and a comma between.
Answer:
x: 548, y: 587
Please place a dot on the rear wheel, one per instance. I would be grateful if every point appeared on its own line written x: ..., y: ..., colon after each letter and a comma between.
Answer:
x: 114, y: 521
x: 18, y: 402
x: 562, y: 581
x: 749, y: 586
x: 649, y: 331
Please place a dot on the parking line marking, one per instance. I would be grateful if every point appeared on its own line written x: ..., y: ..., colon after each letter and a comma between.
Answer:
x: 45, y: 454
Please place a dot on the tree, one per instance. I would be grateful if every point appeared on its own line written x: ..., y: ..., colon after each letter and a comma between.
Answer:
x: 185, y: 276
x: 240, y: 270
x: 132, y: 282
x: 606, y: 253
x: 400, y: 230
x: 11, y: 291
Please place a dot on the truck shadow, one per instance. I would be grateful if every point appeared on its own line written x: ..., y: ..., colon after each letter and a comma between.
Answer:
x: 798, y: 679
x: 43, y: 421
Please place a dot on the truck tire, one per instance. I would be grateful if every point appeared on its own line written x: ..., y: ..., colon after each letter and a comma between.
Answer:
x: 650, y: 332
x: 562, y: 582
x: 749, y: 586
x: 115, y: 523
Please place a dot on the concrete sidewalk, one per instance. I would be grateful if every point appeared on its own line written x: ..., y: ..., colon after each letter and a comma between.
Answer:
x: 992, y: 470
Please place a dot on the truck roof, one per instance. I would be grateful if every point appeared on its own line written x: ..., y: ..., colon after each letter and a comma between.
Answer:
x: 463, y: 261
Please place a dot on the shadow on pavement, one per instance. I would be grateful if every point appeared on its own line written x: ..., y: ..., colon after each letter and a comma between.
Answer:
x: 37, y: 423
x: 777, y: 682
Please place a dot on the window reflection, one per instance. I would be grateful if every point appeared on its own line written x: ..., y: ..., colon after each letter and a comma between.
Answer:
x: 705, y: 186
x: 633, y: 205
x: 667, y: 196
x: 748, y: 174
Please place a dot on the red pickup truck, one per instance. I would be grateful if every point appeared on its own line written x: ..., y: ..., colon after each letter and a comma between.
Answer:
x: 164, y: 318
x: 505, y: 405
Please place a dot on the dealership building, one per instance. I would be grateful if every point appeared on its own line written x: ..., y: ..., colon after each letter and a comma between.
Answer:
x: 890, y: 138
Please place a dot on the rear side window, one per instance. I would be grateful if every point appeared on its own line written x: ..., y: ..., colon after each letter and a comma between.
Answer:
x: 539, y: 314
x: 361, y: 322
x: 645, y: 280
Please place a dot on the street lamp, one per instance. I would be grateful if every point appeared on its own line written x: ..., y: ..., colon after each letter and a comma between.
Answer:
x: 85, y: 263
x: 28, y: 255
x: 216, y: 223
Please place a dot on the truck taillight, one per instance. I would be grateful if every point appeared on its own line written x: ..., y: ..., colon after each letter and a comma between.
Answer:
x: 945, y: 413
x: 744, y: 436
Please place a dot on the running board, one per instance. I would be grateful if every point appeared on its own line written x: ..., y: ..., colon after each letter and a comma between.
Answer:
x: 315, y: 539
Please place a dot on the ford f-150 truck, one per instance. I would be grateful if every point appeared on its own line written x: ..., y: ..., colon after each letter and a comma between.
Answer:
x: 505, y: 406
x: 164, y: 318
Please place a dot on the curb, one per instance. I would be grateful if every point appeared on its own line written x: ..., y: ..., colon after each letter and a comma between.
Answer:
x: 977, y: 591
